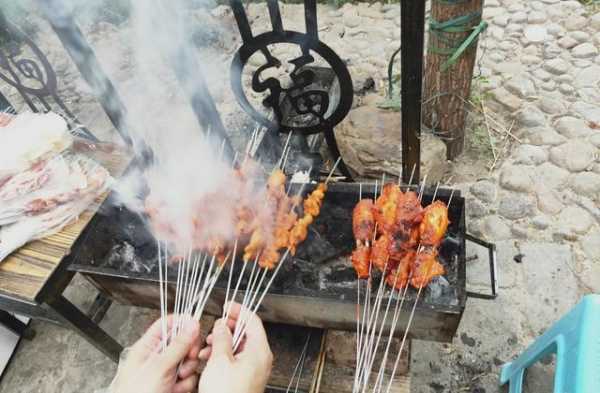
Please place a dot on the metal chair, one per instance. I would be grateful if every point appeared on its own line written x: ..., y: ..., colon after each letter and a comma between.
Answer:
x: 322, y: 110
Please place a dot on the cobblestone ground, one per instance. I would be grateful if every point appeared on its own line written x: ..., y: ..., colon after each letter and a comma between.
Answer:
x: 542, y: 64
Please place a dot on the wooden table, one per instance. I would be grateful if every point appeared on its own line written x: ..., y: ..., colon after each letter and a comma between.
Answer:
x: 33, y: 278
x: 330, y: 361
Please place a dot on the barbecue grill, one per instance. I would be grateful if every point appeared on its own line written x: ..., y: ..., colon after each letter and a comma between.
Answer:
x: 315, y: 288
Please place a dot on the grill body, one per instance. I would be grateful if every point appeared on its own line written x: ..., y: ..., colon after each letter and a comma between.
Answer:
x: 316, y: 288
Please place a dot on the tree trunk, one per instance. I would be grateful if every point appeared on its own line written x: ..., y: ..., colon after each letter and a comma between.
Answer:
x: 444, y: 108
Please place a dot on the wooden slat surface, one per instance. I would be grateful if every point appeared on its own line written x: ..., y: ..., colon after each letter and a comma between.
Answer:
x: 340, y: 365
x: 24, y: 273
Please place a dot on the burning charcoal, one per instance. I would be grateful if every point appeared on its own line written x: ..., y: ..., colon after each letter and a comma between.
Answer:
x: 124, y: 257
x: 342, y: 273
x: 435, y: 287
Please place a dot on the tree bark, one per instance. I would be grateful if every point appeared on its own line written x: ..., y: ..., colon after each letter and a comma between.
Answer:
x: 446, y: 91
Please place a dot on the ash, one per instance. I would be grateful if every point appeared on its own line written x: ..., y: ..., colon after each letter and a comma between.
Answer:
x: 123, y: 246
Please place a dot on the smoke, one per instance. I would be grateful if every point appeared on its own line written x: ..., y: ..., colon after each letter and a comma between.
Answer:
x: 189, y: 182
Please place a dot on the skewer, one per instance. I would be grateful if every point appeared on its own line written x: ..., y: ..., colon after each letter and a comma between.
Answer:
x: 210, y: 288
x: 263, y: 294
x: 283, y: 153
x: 366, y: 308
x: 287, y: 154
x: 222, y: 149
x: 177, y: 299
x: 395, y: 318
x: 206, y: 287
x: 422, y: 188
x: 193, y: 279
x: 253, y: 306
x: 247, y: 293
x: 202, y: 289
x: 163, y: 320
x: 366, y: 311
x: 197, y: 286
x: 412, y: 314
x: 368, y: 353
x: 230, y: 275
x: 237, y: 286
x: 367, y: 360
x: 252, y: 298
x: 333, y: 169
x: 299, y: 364
x: 302, y: 365
x: 412, y: 173
x: 185, y: 287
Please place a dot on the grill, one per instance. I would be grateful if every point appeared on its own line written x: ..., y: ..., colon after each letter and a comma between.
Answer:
x: 316, y: 288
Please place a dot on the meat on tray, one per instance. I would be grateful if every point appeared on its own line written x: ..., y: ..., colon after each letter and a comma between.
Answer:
x: 43, y: 185
x: 264, y: 219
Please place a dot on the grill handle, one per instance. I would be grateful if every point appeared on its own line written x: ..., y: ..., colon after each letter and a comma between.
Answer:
x: 491, y: 247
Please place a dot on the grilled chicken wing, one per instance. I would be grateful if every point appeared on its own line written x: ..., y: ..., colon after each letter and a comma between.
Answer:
x: 360, y: 261
x: 434, y: 225
x: 363, y: 221
x: 398, y: 276
x: 425, y: 267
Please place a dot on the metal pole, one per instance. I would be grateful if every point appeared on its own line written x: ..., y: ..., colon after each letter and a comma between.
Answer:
x: 84, y: 58
x: 412, y: 37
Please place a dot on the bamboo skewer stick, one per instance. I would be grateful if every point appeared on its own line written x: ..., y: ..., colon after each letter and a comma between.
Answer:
x: 230, y: 276
x: 410, y: 319
x: 163, y: 320
x: 366, y: 357
x: 300, y: 365
x: 395, y: 318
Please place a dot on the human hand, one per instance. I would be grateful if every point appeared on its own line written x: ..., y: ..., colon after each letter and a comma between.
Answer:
x: 246, y: 371
x: 146, y: 369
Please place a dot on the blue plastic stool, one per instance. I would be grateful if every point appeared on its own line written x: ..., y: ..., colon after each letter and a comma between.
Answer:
x: 576, y: 341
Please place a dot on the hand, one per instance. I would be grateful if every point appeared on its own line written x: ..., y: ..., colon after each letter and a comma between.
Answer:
x: 246, y: 371
x: 146, y: 369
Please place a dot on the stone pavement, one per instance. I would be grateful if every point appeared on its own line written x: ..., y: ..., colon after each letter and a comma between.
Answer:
x: 541, y: 205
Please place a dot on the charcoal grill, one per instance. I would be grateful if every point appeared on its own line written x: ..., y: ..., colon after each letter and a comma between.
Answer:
x: 316, y: 288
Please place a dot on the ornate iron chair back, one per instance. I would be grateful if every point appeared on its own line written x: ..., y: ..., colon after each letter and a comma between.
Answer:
x: 33, y: 78
x: 320, y: 108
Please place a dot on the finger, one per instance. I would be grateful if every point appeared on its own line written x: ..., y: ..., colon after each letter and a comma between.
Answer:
x: 209, y: 339
x: 151, y: 339
x: 255, y: 341
x: 180, y: 346
x: 235, y: 310
x: 187, y: 385
x: 188, y: 368
x: 205, y: 353
x: 221, y: 339
x: 231, y: 323
x: 193, y: 353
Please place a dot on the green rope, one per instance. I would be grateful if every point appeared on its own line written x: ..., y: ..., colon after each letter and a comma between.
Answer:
x: 455, y: 48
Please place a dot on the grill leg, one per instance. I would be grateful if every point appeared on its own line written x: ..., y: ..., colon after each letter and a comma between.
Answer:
x: 75, y: 319
x: 11, y: 323
x: 99, y: 308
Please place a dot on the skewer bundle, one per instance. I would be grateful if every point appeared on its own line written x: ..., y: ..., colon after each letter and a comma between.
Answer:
x: 403, y: 245
x: 243, y: 217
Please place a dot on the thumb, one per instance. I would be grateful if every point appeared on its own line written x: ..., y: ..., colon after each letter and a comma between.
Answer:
x: 180, y: 346
x: 222, y: 340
